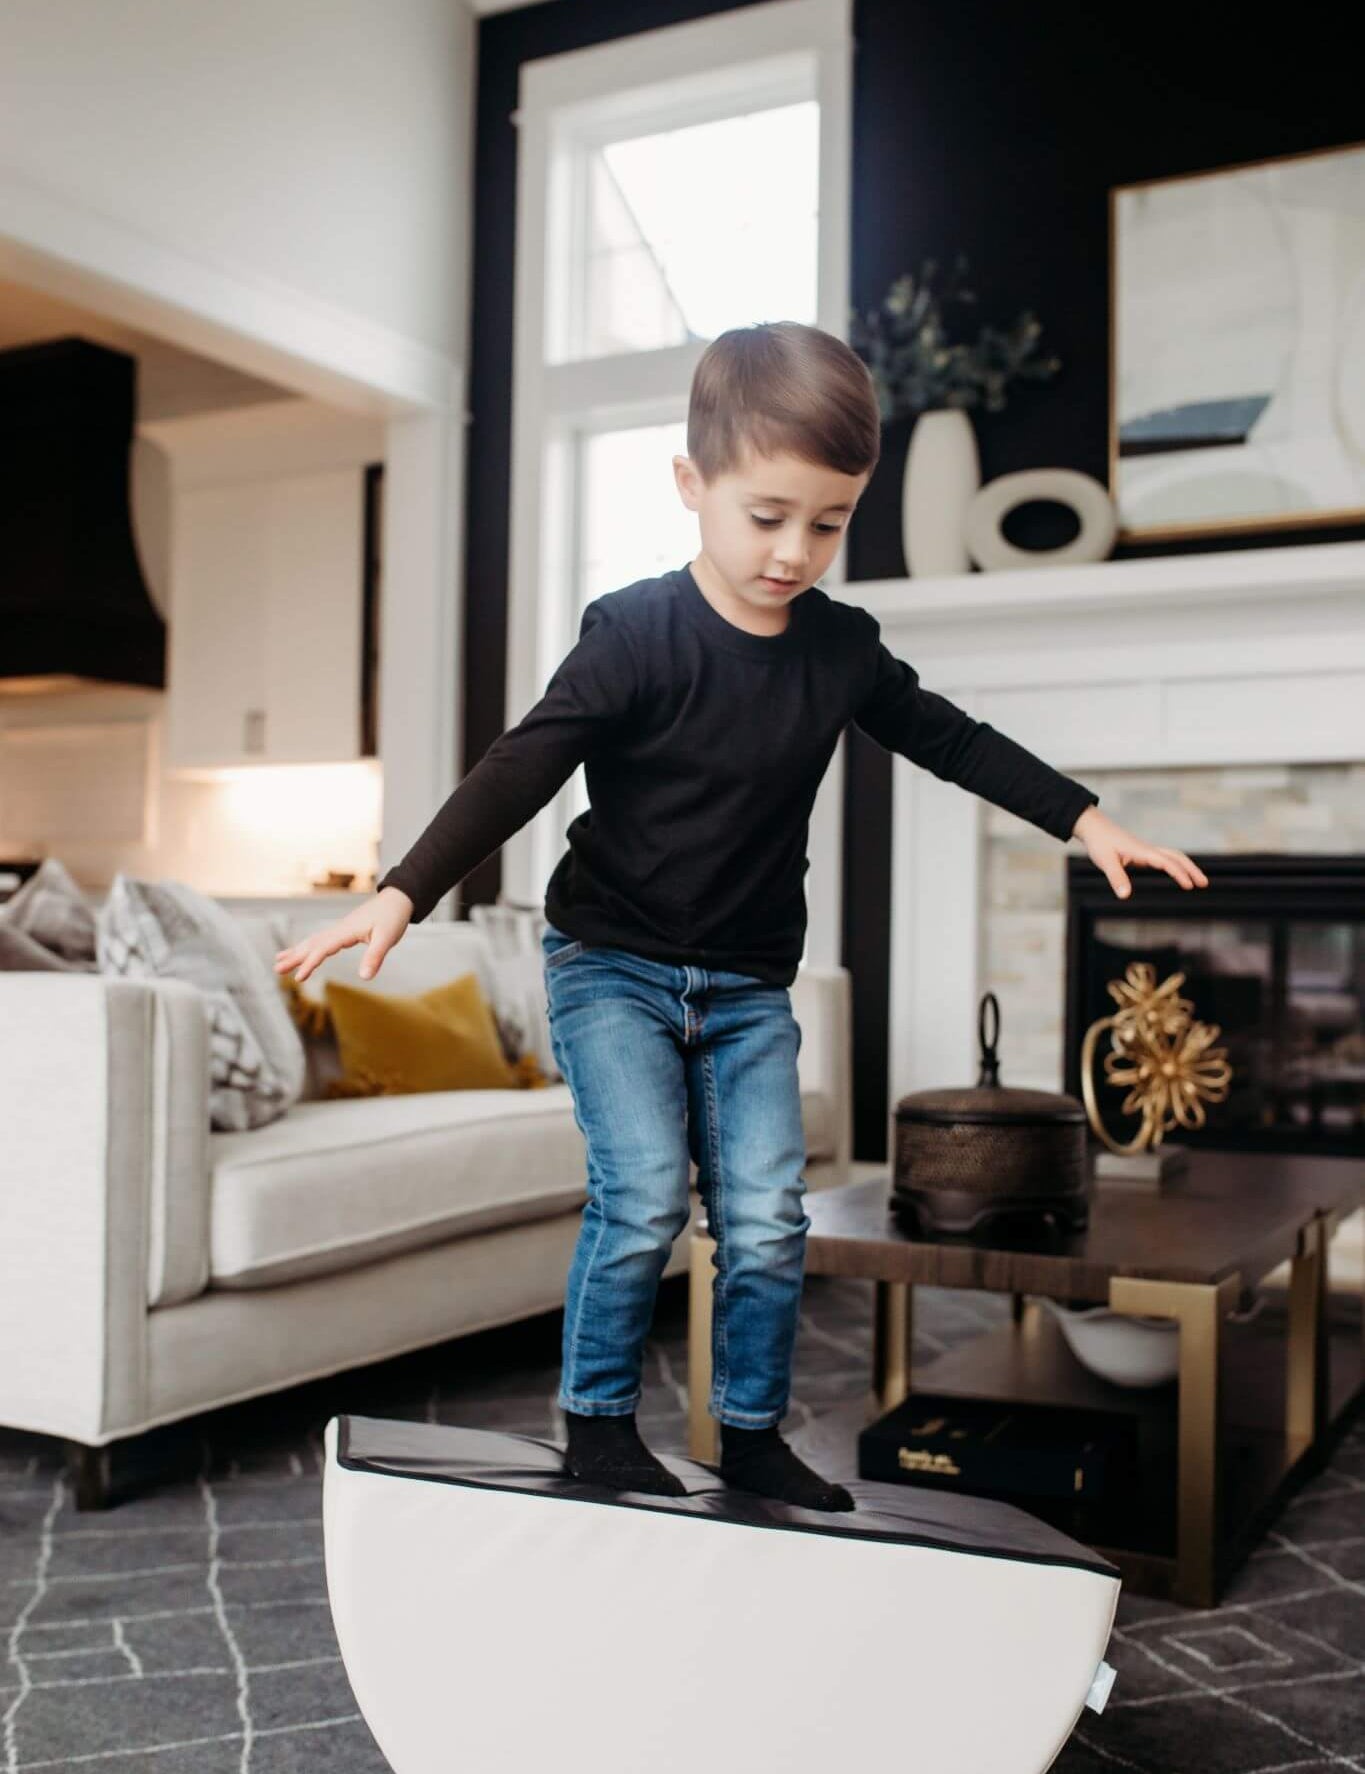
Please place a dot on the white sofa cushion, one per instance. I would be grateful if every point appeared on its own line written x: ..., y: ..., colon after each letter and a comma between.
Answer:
x: 346, y: 1182
x: 818, y: 1121
x: 426, y: 955
x: 340, y: 1183
x: 429, y: 954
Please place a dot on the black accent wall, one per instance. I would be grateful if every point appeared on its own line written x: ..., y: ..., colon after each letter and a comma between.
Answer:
x: 989, y: 129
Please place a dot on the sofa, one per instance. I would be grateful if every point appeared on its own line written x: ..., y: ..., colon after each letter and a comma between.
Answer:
x: 152, y: 1268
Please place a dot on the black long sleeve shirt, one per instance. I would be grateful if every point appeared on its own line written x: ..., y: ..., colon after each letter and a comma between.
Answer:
x: 703, y: 748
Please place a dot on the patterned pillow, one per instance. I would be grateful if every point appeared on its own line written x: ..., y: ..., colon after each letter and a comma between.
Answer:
x: 166, y: 930
x: 518, y: 983
x: 52, y: 911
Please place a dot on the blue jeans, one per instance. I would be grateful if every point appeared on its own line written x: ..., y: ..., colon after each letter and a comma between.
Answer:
x: 668, y: 1064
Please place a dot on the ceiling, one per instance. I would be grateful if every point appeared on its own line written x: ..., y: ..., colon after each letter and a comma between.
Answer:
x: 171, y: 382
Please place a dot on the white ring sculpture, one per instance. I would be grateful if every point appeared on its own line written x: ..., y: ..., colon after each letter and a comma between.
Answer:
x: 498, y: 1616
x: 1081, y: 493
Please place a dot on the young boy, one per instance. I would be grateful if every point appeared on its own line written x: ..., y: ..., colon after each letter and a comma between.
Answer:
x: 706, y: 704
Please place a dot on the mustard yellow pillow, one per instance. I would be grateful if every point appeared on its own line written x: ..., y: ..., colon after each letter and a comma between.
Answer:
x: 442, y: 1039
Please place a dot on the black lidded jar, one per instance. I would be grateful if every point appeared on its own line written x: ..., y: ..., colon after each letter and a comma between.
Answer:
x: 967, y: 1158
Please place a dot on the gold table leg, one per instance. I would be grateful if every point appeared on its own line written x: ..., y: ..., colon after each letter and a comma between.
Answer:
x: 703, y: 1431
x: 1305, y: 1402
x: 894, y: 1334
x: 1199, y: 1311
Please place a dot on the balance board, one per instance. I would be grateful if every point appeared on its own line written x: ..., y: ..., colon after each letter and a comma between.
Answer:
x: 498, y: 1616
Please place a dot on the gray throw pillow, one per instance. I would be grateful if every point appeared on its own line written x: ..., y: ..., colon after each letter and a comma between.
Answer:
x: 20, y: 954
x: 51, y: 909
x: 166, y: 930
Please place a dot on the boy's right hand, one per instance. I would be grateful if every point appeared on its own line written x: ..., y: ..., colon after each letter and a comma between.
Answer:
x: 380, y: 922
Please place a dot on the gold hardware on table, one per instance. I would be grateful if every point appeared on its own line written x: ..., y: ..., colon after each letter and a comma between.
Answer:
x: 921, y: 1460
x: 1168, y: 1062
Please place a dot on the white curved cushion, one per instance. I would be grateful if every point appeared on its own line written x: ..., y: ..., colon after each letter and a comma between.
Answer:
x: 495, y: 1614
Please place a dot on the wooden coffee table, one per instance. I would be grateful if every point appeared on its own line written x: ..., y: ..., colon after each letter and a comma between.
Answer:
x: 1254, y: 1403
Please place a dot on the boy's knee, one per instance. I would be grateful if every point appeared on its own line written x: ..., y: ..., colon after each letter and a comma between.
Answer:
x: 666, y: 1223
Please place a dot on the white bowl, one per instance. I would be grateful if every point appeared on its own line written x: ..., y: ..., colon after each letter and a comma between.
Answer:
x: 1125, y: 1349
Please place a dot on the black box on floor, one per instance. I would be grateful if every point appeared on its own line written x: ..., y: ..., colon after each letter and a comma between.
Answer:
x: 1000, y: 1450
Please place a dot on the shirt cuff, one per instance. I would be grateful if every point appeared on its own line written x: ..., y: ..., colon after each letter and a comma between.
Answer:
x: 1071, y: 809
x: 396, y: 878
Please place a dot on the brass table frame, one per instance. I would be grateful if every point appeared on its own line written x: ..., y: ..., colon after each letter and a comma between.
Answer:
x: 1199, y: 1310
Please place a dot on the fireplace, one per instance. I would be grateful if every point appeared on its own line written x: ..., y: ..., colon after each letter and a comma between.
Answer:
x: 1215, y: 702
x: 1273, y: 952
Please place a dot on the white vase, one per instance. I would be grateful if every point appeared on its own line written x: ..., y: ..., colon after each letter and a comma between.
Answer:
x: 942, y: 475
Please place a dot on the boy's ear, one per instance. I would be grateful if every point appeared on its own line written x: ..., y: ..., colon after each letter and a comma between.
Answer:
x: 688, y: 480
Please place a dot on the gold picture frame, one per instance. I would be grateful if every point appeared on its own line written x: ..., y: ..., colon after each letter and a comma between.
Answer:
x: 1237, y: 348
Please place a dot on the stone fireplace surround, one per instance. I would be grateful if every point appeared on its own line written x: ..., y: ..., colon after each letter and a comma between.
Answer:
x: 1214, y: 702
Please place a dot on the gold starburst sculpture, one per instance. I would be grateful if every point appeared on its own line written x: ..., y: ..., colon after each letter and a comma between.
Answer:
x: 1160, y: 1053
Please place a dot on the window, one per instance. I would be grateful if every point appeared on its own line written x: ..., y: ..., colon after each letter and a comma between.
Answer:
x: 671, y: 184
x: 633, y: 523
x: 688, y: 231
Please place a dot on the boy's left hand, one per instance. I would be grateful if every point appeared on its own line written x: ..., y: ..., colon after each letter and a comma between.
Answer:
x: 1110, y: 846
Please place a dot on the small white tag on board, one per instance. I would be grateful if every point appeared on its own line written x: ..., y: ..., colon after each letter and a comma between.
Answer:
x: 1099, y: 1688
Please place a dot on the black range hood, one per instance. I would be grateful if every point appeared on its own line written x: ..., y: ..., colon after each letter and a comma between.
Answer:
x: 73, y: 600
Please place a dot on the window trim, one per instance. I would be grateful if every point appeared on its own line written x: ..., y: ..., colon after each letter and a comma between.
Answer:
x: 665, y: 78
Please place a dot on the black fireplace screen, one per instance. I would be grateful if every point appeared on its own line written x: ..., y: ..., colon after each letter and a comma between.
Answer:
x: 1273, y: 951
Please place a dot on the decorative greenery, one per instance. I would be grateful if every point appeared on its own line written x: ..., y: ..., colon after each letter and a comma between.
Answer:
x: 916, y: 367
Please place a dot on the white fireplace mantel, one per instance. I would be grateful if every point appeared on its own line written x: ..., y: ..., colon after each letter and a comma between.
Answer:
x: 1252, y: 656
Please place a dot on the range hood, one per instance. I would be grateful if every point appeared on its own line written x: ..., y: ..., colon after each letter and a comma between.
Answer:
x: 73, y: 599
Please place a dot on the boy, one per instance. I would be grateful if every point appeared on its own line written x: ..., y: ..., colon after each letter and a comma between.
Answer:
x: 706, y: 704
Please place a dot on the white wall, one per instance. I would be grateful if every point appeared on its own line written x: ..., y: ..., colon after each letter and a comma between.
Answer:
x: 322, y: 145
x: 284, y: 186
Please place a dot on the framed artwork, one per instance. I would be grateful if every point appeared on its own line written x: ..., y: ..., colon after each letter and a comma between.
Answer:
x: 1237, y: 347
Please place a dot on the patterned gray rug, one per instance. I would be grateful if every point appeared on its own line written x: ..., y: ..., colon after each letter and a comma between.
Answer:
x: 187, y: 1631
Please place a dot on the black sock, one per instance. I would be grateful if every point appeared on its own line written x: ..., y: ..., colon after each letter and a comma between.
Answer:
x: 759, y: 1460
x: 608, y: 1451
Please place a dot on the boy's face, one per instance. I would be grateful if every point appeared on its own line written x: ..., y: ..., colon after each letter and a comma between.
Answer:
x: 770, y: 528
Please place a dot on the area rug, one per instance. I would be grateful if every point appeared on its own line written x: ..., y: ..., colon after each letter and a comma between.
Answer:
x: 186, y: 1630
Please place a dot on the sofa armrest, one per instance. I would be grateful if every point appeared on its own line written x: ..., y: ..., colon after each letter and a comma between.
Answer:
x: 822, y: 1002
x: 103, y: 1190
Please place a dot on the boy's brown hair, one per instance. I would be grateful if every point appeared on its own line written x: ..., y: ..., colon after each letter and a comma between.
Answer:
x: 782, y: 387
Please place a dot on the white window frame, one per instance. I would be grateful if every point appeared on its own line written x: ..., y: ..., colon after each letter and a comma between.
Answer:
x: 568, y: 104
